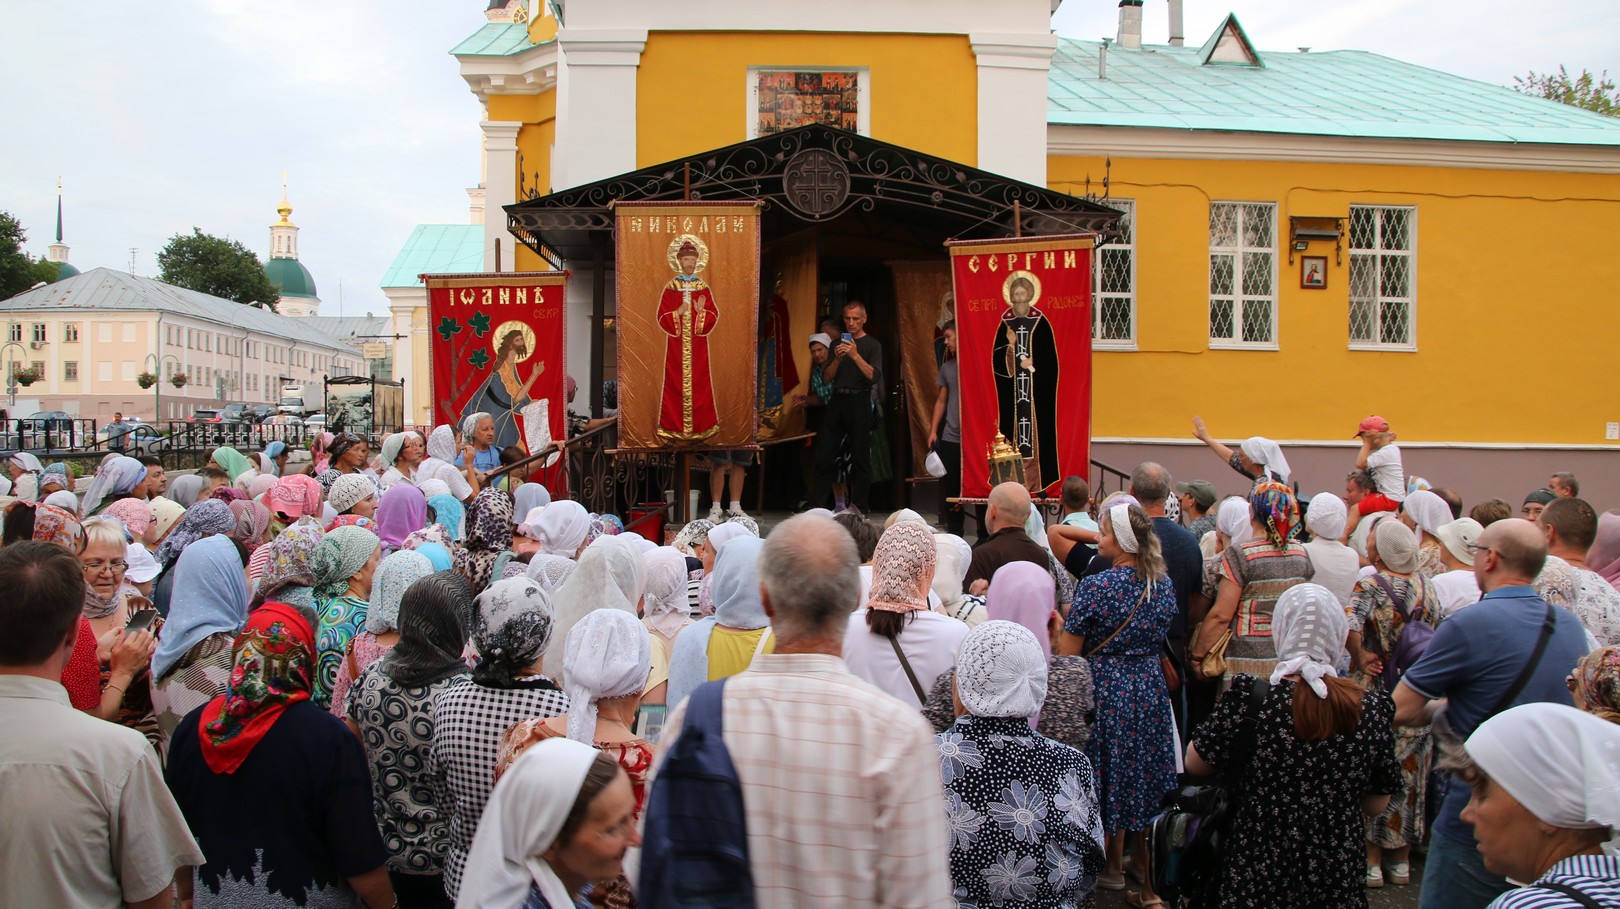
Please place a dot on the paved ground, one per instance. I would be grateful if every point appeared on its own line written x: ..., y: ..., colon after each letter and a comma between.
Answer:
x: 1389, y: 897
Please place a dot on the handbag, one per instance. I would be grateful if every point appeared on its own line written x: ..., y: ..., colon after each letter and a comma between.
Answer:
x: 916, y: 686
x: 1214, y: 662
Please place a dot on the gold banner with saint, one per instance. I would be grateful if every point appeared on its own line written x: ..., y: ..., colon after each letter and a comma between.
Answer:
x: 687, y: 317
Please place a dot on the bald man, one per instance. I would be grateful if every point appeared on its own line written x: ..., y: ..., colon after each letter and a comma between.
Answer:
x: 1004, y: 517
x: 1476, y: 664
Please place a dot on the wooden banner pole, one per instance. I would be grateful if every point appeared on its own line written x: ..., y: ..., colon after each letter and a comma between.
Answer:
x: 683, y: 486
x: 1018, y: 219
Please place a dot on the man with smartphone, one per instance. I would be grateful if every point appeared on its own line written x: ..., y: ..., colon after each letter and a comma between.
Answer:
x: 853, y: 368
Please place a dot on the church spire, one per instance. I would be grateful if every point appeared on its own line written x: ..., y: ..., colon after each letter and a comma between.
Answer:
x: 58, y: 209
x: 283, y: 233
x: 58, y: 252
x: 285, y: 208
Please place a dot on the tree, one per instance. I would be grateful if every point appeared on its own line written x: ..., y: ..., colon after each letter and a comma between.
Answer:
x: 216, y: 265
x: 1593, y: 93
x: 19, y: 271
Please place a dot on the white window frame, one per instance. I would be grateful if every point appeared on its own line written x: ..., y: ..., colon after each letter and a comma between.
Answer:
x: 863, y: 94
x: 1127, y: 343
x: 1379, y: 300
x: 70, y: 370
x: 1236, y: 342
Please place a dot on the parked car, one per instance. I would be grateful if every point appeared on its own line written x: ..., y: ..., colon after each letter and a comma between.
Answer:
x: 236, y: 413
x: 315, y: 422
x: 283, y: 419
x: 47, y: 430
x: 262, y: 412
x: 139, y: 437
x: 206, y: 416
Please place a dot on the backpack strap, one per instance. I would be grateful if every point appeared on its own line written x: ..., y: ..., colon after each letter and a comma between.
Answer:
x: 1244, y: 752
x: 1571, y: 892
x: 705, y: 709
x: 1530, y: 666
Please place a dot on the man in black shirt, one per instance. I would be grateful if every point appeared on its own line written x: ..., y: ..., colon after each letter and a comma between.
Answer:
x: 856, y: 360
x: 1183, y: 561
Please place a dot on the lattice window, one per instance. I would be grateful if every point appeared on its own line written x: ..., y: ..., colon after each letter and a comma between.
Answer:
x: 1113, y: 284
x: 1383, y: 276
x: 1242, y: 274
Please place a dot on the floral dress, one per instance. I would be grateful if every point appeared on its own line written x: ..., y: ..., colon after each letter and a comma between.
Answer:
x: 1022, y: 815
x: 1296, y: 837
x: 1373, y: 613
x: 1132, y: 748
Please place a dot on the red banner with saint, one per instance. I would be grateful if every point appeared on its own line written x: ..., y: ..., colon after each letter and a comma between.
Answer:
x: 1023, y: 330
x: 686, y: 322
x: 496, y: 345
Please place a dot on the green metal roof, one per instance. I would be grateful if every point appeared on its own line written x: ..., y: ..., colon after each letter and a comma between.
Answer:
x: 1323, y: 93
x: 65, y: 270
x: 437, y: 249
x: 290, y: 277
x: 496, y: 39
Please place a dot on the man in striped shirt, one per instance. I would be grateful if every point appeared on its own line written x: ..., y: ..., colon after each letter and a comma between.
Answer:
x: 843, y: 801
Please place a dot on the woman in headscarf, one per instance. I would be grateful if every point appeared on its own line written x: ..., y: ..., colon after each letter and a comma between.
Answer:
x: 235, y: 464
x: 664, y: 610
x: 952, y: 555
x: 252, y: 524
x: 395, y: 574
x: 1232, y: 526
x: 512, y: 624
x: 136, y: 515
x: 391, y: 709
x: 1604, y: 555
x: 275, y: 452
x: 437, y: 555
x: 1043, y: 843
x: 185, y: 488
x: 897, y: 643
x: 25, y: 472
x: 272, y: 786
x: 1320, y: 759
x: 1595, y: 683
x: 559, y: 794
x: 1257, y: 457
x: 441, y: 450
x: 192, y: 664
x: 353, y: 494
x: 401, y: 454
x: 1335, y: 565
x: 550, y: 571
x: 1425, y: 513
x: 431, y: 488
x: 529, y: 496
x: 725, y: 643
x: 1253, y: 575
x: 563, y: 527
x: 262, y: 484
x: 115, y: 479
x: 709, y: 552
x: 109, y: 603
x: 449, y: 514
x: 1118, y: 623
x: 320, y: 457
x: 203, y: 519
x: 348, y: 454
x: 56, y: 476
x: 1397, y: 593
x: 288, y: 575
x: 610, y: 575
x: 295, y: 497
x: 489, y: 532
x: 478, y: 433
x: 402, y: 510
x: 343, y: 565
x: 1020, y: 592
x: 606, y: 670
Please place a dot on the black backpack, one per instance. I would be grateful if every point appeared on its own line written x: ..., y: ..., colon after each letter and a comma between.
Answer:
x: 1185, y: 842
x: 694, y: 845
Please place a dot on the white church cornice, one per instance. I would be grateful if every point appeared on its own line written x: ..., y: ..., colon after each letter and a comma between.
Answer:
x: 531, y: 72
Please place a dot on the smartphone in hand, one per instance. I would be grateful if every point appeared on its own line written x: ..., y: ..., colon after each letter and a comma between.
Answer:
x: 141, y: 620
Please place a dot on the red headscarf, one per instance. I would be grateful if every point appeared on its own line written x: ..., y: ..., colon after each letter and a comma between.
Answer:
x: 274, y: 664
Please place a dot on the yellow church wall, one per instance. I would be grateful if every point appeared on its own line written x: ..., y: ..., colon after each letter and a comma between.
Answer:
x: 1514, y: 322
x: 538, y: 114
x: 692, y: 92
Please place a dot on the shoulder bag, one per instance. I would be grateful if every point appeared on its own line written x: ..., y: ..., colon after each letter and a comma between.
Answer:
x: 922, y: 696
x: 1167, y: 665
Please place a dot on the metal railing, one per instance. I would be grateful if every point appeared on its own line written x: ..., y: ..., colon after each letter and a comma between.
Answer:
x: 48, y: 434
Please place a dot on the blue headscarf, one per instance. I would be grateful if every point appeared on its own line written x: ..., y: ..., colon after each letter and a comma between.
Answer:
x: 437, y: 554
x: 449, y: 514
x: 210, y: 596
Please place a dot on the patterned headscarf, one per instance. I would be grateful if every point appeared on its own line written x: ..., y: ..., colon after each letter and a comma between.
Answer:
x: 252, y: 521
x: 340, y: 555
x: 1274, y: 506
x: 489, y: 533
x: 441, y: 443
x: 233, y: 462
x: 115, y: 477
x: 59, y: 526
x: 273, y: 667
x: 228, y: 494
x: 434, y: 534
x: 433, y: 618
x: 1308, y: 627
x: 1327, y: 517
x: 326, y: 478
x: 511, y: 628
x: 550, y: 571
x: 395, y: 574
x: 402, y: 510
x: 56, y: 472
x: 609, y: 655
x: 296, y: 496
x: 1598, y: 683
x: 611, y: 525
x: 341, y: 444
x: 349, y: 490
x: 448, y: 513
x: 692, y: 536
x: 902, y: 568
x: 135, y: 513
x: 288, y: 574
x: 1001, y: 671
x: 204, y: 519
x: 664, y: 600
x: 210, y: 596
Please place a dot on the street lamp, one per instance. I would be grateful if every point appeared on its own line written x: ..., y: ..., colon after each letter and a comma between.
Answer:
x: 11, y: 384
x: 156, y: 363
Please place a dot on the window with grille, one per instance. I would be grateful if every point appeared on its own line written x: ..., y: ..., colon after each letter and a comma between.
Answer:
x: 70, y: 370
x: 1383, y: 276
x: 1242, y: 274
x: 1113, y: 284
x: 70, y: 332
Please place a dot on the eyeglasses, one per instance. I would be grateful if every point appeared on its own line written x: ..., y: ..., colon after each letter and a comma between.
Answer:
x: 116, y: 566
x: 1475, y: 549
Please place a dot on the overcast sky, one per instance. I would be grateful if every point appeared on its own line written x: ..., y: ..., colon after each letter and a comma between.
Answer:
x: 164, y: 116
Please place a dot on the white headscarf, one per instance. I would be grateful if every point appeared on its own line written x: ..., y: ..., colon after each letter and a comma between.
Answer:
x: 610, y: 576
x: 550, y: 571
x: 730, y: 530
x: 1000, y: 671
x: 431, y: 488
x: 1308, y: 628
x: 531, y: 524
x: 822, y: 338
x: 1233, y: 519
x: 608, y: 655
x: 522, y: 819
x: 1429, y: 512
x: 64, y: 500
x: 664, y: 600
x: 529, y: 496
x: 563, y: 527
x: 1268, y: 454
x: 470, y: 423
x: 904, y: 514
x: 28, y: 462
x: 1326, y: 517
x: 1120, y: 517
x: 1560, y: 763
x: 441, y: 443
x: 951, y: 559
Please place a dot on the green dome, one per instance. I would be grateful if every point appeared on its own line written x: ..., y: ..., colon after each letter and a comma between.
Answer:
x: 65, y: 270
x: 290, y: 277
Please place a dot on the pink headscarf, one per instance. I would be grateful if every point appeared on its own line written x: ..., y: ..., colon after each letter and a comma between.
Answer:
x: 902, y: 568
x: 296, y: 496
x: 402, y: 510
x: 1604, y: 556
x: 1024, y: 592
x: 135, y: 513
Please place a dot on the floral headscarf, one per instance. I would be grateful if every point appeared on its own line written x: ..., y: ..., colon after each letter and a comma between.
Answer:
x: 611, y: 525
x: 394, y: 575
x: 296, y: 496
x: 56, y: 472
x: 273, y: 667
x: 288, y: 574
x: 115, y: 477
x: 340, y: 555
x: 204, y: 519
x: 59, y: 526
x: 489, y: 532
x: 353, y: 520
x: 1597, y: 677
x: 1274, y: 506
x: 692, y: 536
x: 511, y: 628
x: 252, y: 521
x: 433, y: 533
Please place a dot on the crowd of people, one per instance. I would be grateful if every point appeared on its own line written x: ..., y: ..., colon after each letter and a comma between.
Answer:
x: 410, y: 679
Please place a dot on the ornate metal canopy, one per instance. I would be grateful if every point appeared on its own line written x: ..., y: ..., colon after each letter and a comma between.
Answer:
x: 812, y: 175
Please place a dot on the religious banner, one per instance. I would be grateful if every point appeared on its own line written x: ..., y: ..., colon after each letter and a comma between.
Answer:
x: 925, y: 303
x: 787, y: 319
x: 686, y: 322
x: 496, y: 346
x: 1023, y: 316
